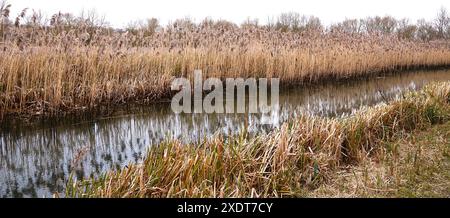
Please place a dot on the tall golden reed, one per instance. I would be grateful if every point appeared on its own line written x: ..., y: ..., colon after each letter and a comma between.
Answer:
x: 59, y: 69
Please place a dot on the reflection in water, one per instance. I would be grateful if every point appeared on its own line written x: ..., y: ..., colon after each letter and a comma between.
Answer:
x: 36, y: 162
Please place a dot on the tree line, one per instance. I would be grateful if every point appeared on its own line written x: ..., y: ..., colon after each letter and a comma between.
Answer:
x: 438, y: 28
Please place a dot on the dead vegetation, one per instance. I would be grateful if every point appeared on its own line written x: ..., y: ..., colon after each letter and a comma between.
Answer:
x: 68, y: 63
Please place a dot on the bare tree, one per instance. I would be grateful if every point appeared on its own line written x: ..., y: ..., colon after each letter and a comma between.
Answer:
x: 386, y: 24
x: 406, y: 30
x: 249, y: 22
x: 313, y: 24
x: 350, y: 26
x: 151, y: 27
x: 294, y: 22
x: 425, y: 30
x: 441, y: 23
x: 288, y: 21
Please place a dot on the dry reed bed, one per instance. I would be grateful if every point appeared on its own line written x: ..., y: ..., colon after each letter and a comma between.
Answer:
x: 51, y: 70
x: 78, y: 63
x: 282, y: 163
x: 47, y: 81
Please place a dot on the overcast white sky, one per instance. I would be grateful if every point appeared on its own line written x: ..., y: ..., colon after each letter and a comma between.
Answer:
x: 120, y: 13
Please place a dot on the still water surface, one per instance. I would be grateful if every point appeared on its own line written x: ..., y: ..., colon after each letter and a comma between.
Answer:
x: 36, y: 161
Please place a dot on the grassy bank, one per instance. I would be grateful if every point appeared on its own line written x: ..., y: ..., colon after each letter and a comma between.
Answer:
x: 302, y: 155
x: 415, y: 164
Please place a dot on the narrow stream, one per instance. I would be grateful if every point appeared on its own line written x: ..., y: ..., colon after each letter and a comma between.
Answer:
x: 36, y: 161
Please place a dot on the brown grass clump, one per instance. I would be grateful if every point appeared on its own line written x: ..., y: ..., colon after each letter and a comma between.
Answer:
x: 298, y: 156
